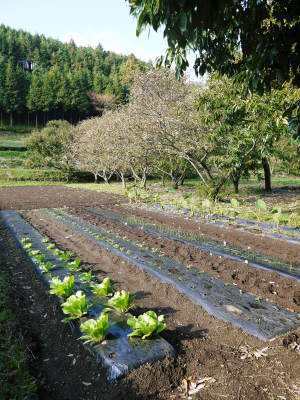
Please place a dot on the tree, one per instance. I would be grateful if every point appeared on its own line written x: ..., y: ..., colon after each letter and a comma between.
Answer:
x: 12, y: 95
x: 51, y: 147
x: 221, y: 35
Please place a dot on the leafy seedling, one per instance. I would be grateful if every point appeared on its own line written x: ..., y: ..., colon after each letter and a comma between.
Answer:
x: 74, y: 265
x: 66, y: 256
x: 96, y: 329
x: 105, y: 288
x: 260, y: 207
x: 34, y: 253
x: 276, y: 215
x: 27, y: 246
x: 62, y: 288
x: 51, y: 246
x: 25, y: 240
x: 45, y: 268
x: 146, y: 324
x: 40, y: 258
x: 76, y: 306
x: 122, y: 301
x: 46, y: 240
x: 86, y: 276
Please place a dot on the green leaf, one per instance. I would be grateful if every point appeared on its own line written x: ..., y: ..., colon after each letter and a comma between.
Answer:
x: 62, y: 288
x: 121, y: 301
x: 96, y: 329
x: 146, y: 324
x: 182, y: 22
x: 105, y: 288
x: 261, y: 205
x: 234, y: 203
x: 76, y: 306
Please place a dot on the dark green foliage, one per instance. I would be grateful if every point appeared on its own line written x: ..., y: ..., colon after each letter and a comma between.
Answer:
x: 62, y: 80
x: 256, y: 39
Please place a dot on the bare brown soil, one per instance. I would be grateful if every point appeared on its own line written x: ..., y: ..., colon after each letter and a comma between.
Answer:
x: 31, y: 197
x: 205, y: 345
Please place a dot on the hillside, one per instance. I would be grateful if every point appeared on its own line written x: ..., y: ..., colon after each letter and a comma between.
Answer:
x: 42, y: 78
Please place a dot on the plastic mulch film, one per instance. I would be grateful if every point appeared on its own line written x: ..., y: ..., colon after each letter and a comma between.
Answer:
x: 285, y: 233
x: 256, y: 260
x: 118, y: 354
x: 256, y: 316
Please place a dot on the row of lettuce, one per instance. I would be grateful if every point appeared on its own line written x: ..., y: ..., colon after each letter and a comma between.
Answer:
x: 76, y: 305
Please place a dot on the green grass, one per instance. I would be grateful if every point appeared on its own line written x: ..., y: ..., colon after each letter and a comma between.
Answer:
x: 15, y: 379
x: 9, y: 175
x: 12, y: 140
x: 250, y: 192
x: 13, y: 154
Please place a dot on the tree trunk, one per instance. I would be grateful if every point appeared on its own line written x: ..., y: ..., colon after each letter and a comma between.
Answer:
x: 122, y: 176
x: 182, y: 181
x: 95, y: 178
x: 11, y: 118
x: 1, y: 118
x: 163, y: 180
x: 36, y: 120
x: 235, y: 180
x: 267, y: 172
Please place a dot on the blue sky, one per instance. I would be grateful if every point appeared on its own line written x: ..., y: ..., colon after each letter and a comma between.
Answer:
x: 88, y: 22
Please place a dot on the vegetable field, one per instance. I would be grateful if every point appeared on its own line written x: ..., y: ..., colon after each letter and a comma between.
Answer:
x: 116, y: 297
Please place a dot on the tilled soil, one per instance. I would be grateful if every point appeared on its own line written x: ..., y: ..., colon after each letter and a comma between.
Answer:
x: 266, y: 284
x: 31, y: 197
x: 205, y: 345
x: 232, y: 235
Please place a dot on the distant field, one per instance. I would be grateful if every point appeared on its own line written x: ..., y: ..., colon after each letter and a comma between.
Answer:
x: 12, y: 141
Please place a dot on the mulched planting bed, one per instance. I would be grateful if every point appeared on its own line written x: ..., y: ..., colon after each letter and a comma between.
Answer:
x: 265, y: 284
x: 232, y: 235
x: 227, y: 302
x: 206, y: 347
x: 256, y: 260
x: 118, y: 354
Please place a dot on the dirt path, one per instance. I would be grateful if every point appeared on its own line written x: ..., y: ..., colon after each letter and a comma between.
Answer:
x: 205, y: 345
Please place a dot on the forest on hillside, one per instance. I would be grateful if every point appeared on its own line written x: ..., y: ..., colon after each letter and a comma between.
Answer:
x: 43, y: 79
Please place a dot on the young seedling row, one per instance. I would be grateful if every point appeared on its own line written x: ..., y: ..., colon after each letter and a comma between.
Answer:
x: 98, y: 315
x: 225, y: 301
x: 249, y: 257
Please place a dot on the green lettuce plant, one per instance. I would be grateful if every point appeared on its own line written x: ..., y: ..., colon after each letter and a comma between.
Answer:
x: 40, y: 258
x: 105, y: 288
x: 86, y: 276
x: 34, y: 253
x: 27, y: 246
x: 146, y: 324
x: 122, y: 301
x: 66, y: 256
x: 62, y: 288
x: 74, y: 265
x: 96, y: 330
x: 25, y: 240
x: 76, y: 306
x: 46, y: 240
x: 45, y: 268
x: 51, y: 246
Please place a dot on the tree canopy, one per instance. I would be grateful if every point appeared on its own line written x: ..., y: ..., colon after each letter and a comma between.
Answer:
x: 256, y: 39
x: 48, y: 79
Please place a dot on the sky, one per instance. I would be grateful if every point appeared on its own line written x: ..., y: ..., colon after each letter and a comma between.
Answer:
x: 87, y: 22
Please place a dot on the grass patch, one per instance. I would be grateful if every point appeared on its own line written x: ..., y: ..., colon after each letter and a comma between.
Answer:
x: 192, y: 194
x: 15, y: 379
x: 7, y: 175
